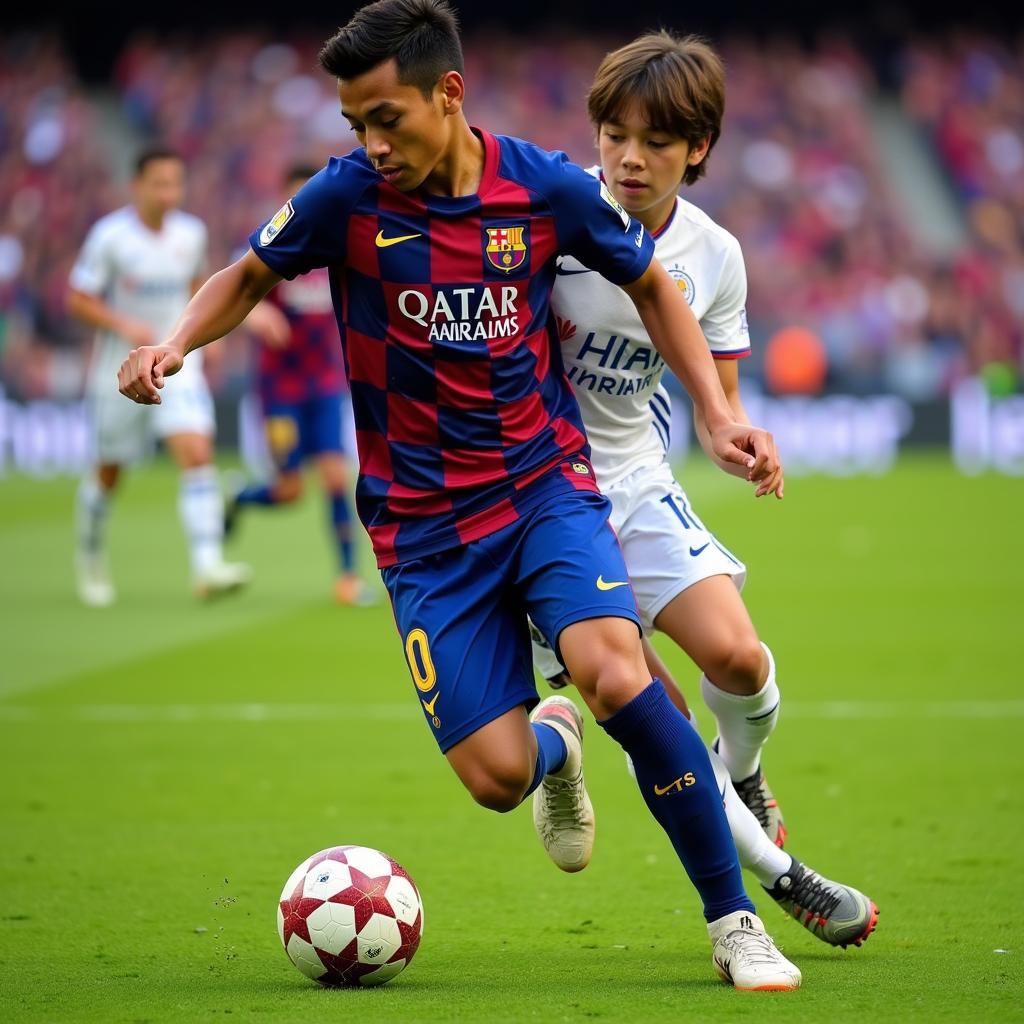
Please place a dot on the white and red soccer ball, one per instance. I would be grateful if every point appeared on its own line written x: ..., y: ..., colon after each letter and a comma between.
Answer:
x: 350, y: 916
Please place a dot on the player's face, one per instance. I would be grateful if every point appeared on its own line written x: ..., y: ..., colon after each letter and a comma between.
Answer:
x: 643, y: 167
x: 405, y: 133
x: 160, y: 187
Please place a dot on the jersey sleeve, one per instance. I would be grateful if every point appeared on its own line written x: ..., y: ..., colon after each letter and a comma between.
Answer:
x: 310, y: 230
x: 93, y: 271
x: 725, y: 323
x: 596, y: 230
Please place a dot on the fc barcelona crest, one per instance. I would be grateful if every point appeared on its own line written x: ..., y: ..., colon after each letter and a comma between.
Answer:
x: 505, y: 248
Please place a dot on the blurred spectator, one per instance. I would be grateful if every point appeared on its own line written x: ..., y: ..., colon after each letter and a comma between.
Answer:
x: 54, y: 181
x: 967, y: 93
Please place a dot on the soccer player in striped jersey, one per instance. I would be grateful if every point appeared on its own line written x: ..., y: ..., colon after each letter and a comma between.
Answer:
x: 134, y: 275
x: 475, y: 480
x: 303, y: 396
x: 657, y: 106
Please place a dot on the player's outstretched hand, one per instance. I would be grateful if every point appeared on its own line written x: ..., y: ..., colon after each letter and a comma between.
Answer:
x: 753, y: 449
x: 142, y: 374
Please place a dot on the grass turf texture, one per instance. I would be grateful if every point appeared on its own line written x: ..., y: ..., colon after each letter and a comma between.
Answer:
x: 166, y: 765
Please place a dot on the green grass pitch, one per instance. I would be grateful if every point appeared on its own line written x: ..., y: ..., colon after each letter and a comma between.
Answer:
x: 165, y: 765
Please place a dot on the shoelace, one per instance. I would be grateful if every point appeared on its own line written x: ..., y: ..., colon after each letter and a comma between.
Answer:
x: 752, y: 794
x: 812, y: 892
x: 752, y: 946
x: 559, y: 811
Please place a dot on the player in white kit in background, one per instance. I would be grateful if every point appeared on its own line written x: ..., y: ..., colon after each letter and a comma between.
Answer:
x: 657, y: 105
x: 137, y: 270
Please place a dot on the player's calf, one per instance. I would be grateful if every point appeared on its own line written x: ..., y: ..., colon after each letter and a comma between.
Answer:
x: 497, y: 762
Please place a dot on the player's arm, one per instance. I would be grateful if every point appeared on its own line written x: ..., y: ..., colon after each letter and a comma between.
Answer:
x: 92, y: 310
x: 269, y: 324
x: 217, y: 308
x: 677, y: 336
x: 729, y: 375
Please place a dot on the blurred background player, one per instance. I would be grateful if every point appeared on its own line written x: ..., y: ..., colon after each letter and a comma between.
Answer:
x: 136, y: 271
x: 657, y: 105
x: 303, y: 395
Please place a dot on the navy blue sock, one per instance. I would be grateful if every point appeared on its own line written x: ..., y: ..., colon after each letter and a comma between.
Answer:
x: 678, y: 783
x: 256, y: 494
x: 551, y: 753
x: 341, y: 521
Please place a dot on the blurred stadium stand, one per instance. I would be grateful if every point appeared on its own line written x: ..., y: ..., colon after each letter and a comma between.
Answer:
x: 878, y: 191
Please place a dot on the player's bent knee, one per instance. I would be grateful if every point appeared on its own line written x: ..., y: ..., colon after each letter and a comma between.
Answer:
x: 500, y: 793
x: 741, y: 668
x: 288, y: 487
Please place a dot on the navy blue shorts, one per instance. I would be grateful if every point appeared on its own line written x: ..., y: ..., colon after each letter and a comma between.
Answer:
x: 298, y: 430
x: 462, y: 613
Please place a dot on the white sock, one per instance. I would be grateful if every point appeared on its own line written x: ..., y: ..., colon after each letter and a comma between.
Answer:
x: 744, y: 722
x: 201, y: 507
x: 756, y: 851
x: 92, y: 503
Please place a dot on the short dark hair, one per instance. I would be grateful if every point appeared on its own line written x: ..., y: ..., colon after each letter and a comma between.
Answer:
x: 421, y: 35
x: 296, y: 171
x: 678, y: 84
x: 156, y: 151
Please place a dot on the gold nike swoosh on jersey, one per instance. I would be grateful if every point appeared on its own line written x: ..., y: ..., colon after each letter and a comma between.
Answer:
x: 383, y: 243
x: 603, y: 585
x: 430, y: 707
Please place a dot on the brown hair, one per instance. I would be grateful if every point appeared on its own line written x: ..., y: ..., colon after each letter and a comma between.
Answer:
x: 677, y: 83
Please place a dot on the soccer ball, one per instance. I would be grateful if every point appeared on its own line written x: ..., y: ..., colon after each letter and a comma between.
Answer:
x: 350, y: 916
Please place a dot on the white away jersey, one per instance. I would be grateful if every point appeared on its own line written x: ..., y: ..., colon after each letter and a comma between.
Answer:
x: 143, y: 273
x: 613, y: 367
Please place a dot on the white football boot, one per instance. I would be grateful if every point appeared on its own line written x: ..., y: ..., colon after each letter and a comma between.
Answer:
x: 221, y: 578
x: 562, y: 812
x: 95, y: 588
x: 745, y: 956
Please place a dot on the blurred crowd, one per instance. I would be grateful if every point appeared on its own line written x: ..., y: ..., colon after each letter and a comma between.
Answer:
x: 798, y: 176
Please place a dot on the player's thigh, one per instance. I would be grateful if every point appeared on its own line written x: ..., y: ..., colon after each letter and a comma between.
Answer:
x: 120, y: 428
x: 184, y: 419
x: 465, y: 640
x: 666, y: 546
x: 710, y: 622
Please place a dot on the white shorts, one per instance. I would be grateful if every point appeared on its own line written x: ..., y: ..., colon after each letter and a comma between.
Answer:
x: 124, y: 432
x: 666, y: 546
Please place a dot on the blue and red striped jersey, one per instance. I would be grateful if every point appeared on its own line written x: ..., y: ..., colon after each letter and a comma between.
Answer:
x: 310, y: 365
x: 464, y: 417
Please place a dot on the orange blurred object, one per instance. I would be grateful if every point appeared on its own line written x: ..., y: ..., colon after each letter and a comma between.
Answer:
x: 795, y: 362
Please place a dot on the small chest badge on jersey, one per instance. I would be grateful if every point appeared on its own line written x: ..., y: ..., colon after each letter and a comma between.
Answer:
x: 582, y: 468
x: 683, y: 282
x: 506, y: 248
x: 274, y: 226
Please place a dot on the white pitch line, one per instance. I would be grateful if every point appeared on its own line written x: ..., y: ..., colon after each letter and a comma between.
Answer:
x: 131, y: 714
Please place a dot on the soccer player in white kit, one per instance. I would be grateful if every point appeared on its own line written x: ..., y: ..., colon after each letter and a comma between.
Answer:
x: 657, y: 106
x: 135, y: 274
